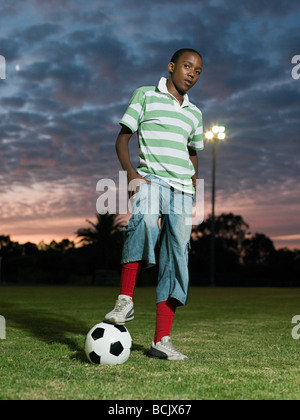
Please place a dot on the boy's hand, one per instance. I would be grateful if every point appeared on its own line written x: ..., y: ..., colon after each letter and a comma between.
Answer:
x: 194, y: 160
x: 194, y: 180
x: 134, y: 183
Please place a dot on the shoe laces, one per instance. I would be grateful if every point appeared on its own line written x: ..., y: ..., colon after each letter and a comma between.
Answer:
x: 169, y: 345
x: 121, y: 305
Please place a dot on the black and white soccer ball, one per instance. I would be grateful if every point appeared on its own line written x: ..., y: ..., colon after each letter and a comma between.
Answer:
x: 108, y: 344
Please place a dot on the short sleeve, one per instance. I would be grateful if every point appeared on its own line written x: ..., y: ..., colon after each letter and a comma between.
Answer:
x: 134, y: 113
x: 196, y: 140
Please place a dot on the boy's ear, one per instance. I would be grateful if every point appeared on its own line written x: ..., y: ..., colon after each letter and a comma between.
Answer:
x: 171, y: 67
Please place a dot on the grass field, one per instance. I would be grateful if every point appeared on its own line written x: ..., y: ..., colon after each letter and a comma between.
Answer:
x: 238, y: 340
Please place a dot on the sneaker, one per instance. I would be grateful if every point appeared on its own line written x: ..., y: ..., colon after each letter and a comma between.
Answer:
x: 164, y: 349
x: 122, y: 312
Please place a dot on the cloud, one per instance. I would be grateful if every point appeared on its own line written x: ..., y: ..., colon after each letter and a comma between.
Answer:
x: 10, y: 48
x: 38, y: 33
x: 79, y: 65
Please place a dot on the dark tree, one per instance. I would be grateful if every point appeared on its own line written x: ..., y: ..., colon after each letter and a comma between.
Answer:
x: 104, y: 240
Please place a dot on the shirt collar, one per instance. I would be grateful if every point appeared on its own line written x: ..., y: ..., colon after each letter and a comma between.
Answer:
x: 162, y: 87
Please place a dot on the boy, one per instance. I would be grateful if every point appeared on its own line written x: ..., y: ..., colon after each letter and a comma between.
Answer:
x: 170, y: 133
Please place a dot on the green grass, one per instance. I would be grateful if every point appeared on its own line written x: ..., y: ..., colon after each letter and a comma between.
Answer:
x: 238, y: 340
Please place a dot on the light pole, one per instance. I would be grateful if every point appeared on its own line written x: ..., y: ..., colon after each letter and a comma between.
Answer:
x: 214, y: 134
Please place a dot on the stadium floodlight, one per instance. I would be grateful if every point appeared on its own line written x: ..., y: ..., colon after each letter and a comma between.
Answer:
x: 215, y: 133
x: 209, y: 135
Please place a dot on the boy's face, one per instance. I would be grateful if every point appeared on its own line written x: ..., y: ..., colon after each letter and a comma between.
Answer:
x: 186, y: 71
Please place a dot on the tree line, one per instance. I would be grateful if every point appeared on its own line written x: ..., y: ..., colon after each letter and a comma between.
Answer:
x: 241, y: 258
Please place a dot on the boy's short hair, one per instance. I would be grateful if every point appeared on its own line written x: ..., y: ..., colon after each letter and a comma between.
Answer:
x: 178, y: 53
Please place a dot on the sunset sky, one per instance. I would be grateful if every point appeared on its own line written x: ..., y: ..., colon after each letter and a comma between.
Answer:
x: 71, y: 68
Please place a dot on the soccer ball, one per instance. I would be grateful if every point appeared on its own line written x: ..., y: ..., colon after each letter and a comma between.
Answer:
x: 108, y: 344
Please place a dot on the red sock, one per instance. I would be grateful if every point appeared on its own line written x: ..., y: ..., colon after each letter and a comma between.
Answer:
x: 165, y: 312
x: 130, y: 272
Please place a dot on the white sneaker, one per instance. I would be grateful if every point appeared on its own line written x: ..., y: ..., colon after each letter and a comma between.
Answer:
x: 164, y: 349
x: 122, y: 312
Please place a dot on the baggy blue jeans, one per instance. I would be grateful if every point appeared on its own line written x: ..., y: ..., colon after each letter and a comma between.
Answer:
x: 153, y: 202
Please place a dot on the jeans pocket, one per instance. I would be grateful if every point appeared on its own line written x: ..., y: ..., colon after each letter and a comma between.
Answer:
x: 133, y: 222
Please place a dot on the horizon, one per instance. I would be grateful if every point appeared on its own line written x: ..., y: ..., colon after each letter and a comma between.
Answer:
x: 279, y: 242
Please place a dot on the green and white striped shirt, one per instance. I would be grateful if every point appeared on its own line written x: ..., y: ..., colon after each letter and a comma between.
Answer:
x: 165, y: 130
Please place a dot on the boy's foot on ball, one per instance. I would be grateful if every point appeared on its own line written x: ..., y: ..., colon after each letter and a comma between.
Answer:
x: 164, y: 349
x: 122, y: 312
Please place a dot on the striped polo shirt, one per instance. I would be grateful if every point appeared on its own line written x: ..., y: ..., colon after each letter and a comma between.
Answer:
x: 165, y: 131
